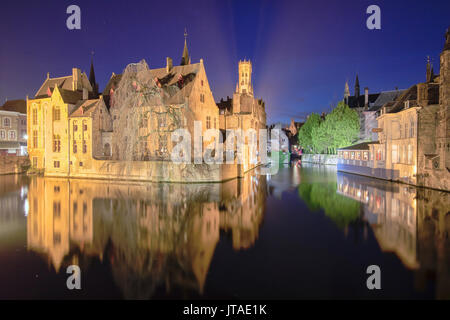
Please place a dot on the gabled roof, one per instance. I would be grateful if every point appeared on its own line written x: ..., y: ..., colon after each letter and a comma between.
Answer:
x: 176, y: 84
x: 69, y: 96
x: 385, y: 97
x: 15, y: 106
x: 359, y: 102
x: 112, y: 83
x: 85, y: 108
x: 409, y: 94
x: 62, y: 82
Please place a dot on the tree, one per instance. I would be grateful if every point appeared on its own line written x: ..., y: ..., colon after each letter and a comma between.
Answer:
x: 343, y: 127
x: 305, y: 133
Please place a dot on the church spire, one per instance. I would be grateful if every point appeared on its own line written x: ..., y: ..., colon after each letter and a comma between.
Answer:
x: 346, y: 92
x: 185, y: 58
x: 357, y: 86
x: 92, y: 81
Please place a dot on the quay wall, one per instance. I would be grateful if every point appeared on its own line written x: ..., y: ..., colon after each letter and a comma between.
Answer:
x: 154, y: 171
x: 326, y: 159
x: 13, y: 164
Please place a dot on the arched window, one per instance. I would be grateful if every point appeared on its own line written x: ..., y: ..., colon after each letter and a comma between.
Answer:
x: 6, y: 122
x: 35, y: 116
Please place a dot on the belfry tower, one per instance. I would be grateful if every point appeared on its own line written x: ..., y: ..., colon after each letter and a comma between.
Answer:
x: 244, y: 85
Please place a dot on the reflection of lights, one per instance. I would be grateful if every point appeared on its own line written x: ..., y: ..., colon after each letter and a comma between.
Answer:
x: 415, y: 169
x: 26, y: 208
x: 25, y: 137
x: 359, y: 193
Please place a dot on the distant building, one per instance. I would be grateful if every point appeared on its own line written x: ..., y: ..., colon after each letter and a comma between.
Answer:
x: 13, y: 128
x: 368, y: 106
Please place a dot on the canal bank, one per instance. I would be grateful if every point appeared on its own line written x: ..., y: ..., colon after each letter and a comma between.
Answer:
x: 324, y: 159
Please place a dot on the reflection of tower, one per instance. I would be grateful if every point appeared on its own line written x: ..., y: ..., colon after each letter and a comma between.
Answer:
x: 245, y: 78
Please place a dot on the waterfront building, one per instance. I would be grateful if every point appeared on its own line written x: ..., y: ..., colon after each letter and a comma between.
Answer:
x: 414, y: 135
x: 126, y: 132
x: 13, y: 128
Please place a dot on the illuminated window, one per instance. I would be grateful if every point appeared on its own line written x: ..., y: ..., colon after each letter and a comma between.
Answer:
x: 2, y: 134
x: 394, y: 154
x: 35, y: 138
x: 366, y: 155
x: 358, y: 155
x: 410, y: 154
x: 353, y: 155
x: 56, y: 143
x: 56, y: 113
x: 35, y: 121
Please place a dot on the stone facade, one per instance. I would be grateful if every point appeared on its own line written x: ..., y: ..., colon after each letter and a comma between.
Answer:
x: 414, y: 135
x: 126, y: 133
x: 13, y: 133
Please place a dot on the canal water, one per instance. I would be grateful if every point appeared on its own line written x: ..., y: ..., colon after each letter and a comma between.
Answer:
x: 307, y: 232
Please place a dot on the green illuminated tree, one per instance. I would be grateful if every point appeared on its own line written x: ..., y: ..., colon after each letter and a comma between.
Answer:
x: 305, y: 133
x: 342, y: 127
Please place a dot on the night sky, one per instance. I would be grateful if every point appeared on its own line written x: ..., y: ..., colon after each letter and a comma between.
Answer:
x: 302, y: 51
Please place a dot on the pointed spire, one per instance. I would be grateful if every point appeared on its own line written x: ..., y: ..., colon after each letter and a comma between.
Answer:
x: 357, y: 86
x: 94, y: 84
x: 185, y: 58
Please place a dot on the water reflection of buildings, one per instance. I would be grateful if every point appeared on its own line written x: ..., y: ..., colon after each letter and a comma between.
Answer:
x: 153, y: 235
x: 13, y: 199
x: 412, y: 223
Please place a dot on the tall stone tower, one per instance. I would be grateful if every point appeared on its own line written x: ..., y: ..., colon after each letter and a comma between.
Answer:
x: 443, y: 131
x: 245, y: 78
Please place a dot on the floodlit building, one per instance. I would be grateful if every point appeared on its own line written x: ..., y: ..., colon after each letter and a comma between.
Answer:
x: 127, y: 132
x: 414, y: 135
x: 13, y: 128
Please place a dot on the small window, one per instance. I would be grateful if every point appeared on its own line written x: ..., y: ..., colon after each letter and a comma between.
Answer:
x: 12, y: 135
x: 6, y: 122
x: 56, y: 113
x: 2, y: 134
x: 81, y: 164
x: 56, y: 164
x: 75, y: 149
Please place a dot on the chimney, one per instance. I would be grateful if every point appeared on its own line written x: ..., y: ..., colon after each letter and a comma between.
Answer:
x: 85, y: 94
x: 169, y: 64
x: 76, y: 78
x: 366, y: 96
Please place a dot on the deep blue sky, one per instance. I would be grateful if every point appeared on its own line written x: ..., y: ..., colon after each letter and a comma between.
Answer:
x: 302, y: 51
